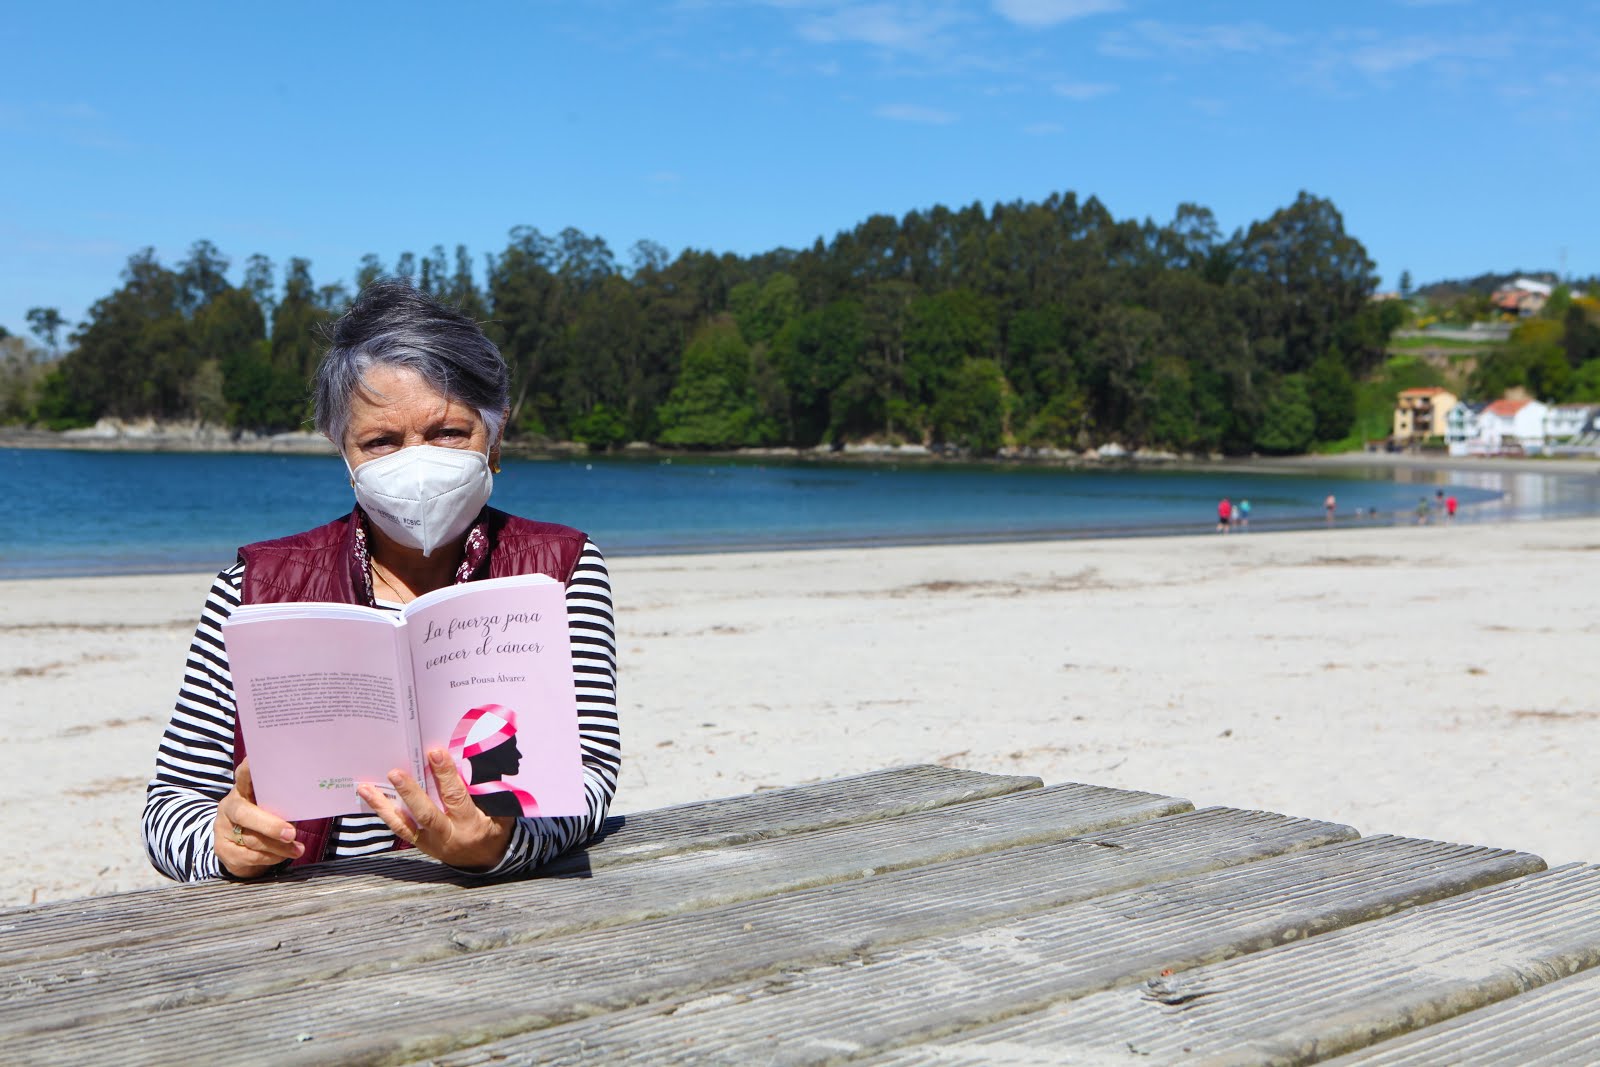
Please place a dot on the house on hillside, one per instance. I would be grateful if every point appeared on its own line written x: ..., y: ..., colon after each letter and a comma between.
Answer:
x: 1420, y: 414
x: 1563, y: 423
x: 1522, y: 298
x: 1509, y: 426
x: 1461, y: 425
x: 1586, y: 442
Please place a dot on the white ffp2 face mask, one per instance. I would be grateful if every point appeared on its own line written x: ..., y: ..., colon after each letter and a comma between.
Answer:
x: 425, y: 495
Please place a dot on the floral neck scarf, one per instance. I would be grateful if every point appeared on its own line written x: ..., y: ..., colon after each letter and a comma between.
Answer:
x: 474, y: 554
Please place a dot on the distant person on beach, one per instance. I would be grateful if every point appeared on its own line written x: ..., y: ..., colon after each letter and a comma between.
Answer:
x: 1422, y: 511
x: 1224, y: 515
x: 1329, y: 506
x: 1450, y: 505
x: 1241, y: 514
x: 414, y: 396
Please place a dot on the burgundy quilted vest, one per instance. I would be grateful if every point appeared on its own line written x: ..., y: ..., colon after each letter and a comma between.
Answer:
x: 320, y: 565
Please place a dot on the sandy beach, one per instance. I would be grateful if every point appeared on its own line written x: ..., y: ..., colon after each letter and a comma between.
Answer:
x: 1426, y: 681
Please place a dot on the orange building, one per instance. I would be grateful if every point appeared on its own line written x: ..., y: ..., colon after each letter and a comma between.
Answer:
x: 1420, y: 414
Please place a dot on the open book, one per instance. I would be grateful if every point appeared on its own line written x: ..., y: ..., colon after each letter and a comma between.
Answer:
x: 333, y: 695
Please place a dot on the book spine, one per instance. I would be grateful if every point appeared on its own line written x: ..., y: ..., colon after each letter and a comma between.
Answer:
x: 413, y: 724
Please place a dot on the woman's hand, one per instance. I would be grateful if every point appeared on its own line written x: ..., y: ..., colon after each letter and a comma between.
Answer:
x: 460, y: 835
x: 250, y: 841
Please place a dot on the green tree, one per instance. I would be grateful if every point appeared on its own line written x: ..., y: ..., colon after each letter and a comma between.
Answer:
x: 1332, y: 392
x: 206, y: 396
x: 46, y: 324
x: 975, y: 412
x: 1288, y: 423
x: 369, y: 271
x: 712, y: 406
x: 259, y: 282
x: 815, y: 354
x: 1310, y: 275
x: 203, y: 275
x: 132, y: 355
x: 296, y: 322
x: 22, y: 370
x: 1580, y: 331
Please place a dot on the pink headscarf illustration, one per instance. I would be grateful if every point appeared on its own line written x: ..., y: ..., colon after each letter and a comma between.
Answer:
x: 486, y: 739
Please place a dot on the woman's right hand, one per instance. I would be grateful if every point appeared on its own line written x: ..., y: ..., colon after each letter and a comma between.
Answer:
x: 250, y: 841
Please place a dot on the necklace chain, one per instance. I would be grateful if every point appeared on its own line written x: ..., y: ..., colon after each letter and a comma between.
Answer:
x: 379, y: 575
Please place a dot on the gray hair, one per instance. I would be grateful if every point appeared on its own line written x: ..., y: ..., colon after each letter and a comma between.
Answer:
x: 394, y: 324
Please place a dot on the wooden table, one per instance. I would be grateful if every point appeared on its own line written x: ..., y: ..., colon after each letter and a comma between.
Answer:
x: 913, y: 916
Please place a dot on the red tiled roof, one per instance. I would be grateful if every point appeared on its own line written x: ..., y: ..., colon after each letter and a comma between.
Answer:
x: 1506, y: 408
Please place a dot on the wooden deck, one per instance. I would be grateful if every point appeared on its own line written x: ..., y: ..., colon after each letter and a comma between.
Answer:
x: 909, y: 917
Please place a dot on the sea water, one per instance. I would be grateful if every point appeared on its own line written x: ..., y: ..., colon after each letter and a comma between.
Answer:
x: 70, y: 513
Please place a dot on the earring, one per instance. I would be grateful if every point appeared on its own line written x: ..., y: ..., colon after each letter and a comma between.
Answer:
x: 494, y: 468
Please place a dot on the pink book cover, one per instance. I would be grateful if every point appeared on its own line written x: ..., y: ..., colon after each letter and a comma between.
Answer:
x: 322, y: 702
x: 331, y: 695
x: 493, y: 668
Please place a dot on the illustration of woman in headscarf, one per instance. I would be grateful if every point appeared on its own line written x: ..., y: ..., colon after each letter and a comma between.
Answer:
x: 486, y: 739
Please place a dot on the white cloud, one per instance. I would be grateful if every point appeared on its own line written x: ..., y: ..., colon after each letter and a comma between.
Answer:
x: 915, y: 113
x: 1043, y: 129
x: 1387, y: 57
x: 897, y: 27
x: 1148, y: 37
x: 1038, y: 14
x: 1083, y: 90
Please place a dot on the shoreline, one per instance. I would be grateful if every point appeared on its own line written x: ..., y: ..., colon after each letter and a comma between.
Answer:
x: 1495, y: 490
x: 1146, y: 532
x: 1327, y: 674
x: 203, y: 442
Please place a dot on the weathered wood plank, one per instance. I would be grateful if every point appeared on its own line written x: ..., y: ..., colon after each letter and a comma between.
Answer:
x: 940, y: 985
x: 63, y: 928
x: 836, y: 802
x: 189, y: 959
x: 1557, y: 1025
x: 373, y: 1016
x: 1307, y: 1002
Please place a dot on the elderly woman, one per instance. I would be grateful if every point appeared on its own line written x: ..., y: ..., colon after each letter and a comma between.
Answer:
x: 414, y: 396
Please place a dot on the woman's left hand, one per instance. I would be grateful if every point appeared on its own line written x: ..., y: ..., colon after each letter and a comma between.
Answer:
x: 460, y: 834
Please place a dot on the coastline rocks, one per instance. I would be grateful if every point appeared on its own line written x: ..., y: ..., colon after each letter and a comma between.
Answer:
x: 181, y: 436
x: 874, y: 448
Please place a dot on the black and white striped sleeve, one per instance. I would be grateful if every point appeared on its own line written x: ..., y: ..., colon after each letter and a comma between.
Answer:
x: 194, y: 764
x: 594, y: 659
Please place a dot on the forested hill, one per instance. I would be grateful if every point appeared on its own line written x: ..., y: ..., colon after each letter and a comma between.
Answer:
x: 1032, y: 324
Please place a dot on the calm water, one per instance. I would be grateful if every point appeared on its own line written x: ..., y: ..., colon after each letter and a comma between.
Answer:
x: 108, y: 512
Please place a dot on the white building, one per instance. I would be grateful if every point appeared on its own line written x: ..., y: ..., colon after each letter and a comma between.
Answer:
x: 1509, y: 426
x: 1563, y: 422
x: 1461, y: 425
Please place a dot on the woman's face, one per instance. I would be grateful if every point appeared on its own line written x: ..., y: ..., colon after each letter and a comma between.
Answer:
x: 397, y: 409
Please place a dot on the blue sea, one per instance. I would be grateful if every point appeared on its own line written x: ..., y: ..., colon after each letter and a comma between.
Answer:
x: 76, y: 513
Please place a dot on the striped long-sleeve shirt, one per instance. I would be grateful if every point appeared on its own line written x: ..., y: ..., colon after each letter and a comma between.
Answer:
x: 194, y: 765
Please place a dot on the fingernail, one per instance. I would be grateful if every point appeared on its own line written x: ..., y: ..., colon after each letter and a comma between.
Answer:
x: 437, y: 758
x: 394, y: 777
x: 286, y: 834
x: 299, y: 850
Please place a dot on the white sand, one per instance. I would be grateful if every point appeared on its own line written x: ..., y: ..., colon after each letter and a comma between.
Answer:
x: 1433, y: 682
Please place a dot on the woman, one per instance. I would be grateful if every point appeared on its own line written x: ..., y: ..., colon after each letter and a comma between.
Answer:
x: 414, y: 396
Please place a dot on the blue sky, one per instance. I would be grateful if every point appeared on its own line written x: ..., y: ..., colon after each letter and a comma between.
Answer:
x: 1455, y: 136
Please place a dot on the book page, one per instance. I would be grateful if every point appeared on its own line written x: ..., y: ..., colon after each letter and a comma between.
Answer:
x: 493, y: 667
x: 322, y: 706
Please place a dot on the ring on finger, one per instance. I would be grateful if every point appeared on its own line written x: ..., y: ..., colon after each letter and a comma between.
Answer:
x: 238, y: 834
